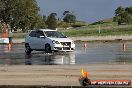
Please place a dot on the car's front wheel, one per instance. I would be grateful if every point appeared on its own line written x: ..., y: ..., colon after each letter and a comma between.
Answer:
x: 27, y: 49
x: 48, y: 48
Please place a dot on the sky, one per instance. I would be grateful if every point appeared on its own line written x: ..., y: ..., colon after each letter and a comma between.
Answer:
x: 84, y: 10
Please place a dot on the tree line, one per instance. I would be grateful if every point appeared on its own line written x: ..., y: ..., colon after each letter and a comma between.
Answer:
x: 24, y: 14
x: 123, y: 15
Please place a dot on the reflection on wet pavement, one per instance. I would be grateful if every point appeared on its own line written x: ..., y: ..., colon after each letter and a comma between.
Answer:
x: 94, y: 53
x: 49, y: 59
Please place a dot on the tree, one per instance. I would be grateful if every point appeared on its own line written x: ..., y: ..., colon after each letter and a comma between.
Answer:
x: 119, y: 11
x: 19, y: 13
x: 52, y: 21
x: 44, y: 18
x: 126, y: 18
x: 40, y: 22
x: 123, y: 15
x: 116, y: 18
x: 129, y: 10
x: 69, y: 18
x: 66, y: 12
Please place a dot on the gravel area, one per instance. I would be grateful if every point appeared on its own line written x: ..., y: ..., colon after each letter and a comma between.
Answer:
x: 60, y: 75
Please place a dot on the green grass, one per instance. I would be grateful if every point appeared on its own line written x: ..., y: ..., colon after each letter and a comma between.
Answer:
x: 106, y: 28
x: 86, y: 31
x: 103, y: 32
x: 105, y: 24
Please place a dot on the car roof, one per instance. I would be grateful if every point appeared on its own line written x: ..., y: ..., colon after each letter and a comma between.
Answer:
x: 46, y: 30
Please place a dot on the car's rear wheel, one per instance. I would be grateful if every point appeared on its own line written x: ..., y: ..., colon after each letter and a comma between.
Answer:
x: 27, y: 49
x: 48, y: 48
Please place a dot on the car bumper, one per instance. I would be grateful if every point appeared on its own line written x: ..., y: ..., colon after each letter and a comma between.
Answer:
x: 63, y: 48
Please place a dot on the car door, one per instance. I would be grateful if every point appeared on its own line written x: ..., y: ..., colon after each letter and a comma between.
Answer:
x: 32, y: 39
x: 40, y: 40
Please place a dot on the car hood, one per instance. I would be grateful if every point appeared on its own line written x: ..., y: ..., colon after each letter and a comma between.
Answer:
x: 62, y: 39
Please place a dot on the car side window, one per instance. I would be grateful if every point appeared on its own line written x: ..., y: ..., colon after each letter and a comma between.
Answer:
x: 39, y: 33
x: 32, y: 34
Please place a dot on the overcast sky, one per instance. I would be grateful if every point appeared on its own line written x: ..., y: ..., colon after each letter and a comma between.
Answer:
x: 85, y: 10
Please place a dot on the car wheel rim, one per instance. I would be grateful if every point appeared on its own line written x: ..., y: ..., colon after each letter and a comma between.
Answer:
x: 27, y: 48
x: 47, y: 49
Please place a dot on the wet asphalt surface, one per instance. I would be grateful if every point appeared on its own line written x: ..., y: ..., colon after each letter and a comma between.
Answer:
x: 97, y: 52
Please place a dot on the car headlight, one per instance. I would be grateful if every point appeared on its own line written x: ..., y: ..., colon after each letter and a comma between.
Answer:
x: 55, y: 42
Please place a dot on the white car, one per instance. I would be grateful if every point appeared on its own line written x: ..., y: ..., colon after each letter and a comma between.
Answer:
x: 47, y: 40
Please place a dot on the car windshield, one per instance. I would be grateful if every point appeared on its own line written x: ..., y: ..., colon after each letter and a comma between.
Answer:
x: 54, y: 34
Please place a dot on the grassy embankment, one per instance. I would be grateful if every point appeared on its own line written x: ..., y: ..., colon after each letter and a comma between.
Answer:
x: 103, y: 29
x: 96, y: 29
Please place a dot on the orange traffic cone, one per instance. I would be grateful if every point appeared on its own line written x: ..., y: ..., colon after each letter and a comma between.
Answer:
x: 85, y: 45
x: 9, y: 46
